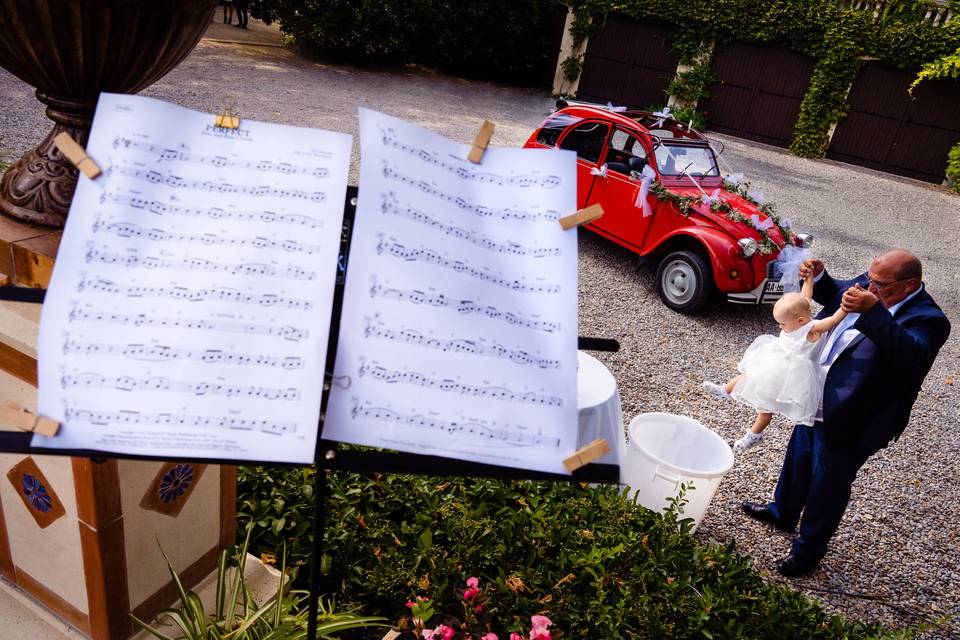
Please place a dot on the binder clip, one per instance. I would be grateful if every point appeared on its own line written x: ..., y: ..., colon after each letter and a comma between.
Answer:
x: 581, y: 217
x: 76, y: 154
x: 481, y: 142
x: 586, y: 455
x: 331, y: 380
x: 13, y: 417
x: 229, y: 117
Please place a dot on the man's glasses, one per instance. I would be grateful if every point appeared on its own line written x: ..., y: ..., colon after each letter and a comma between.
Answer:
x: 883, y: 285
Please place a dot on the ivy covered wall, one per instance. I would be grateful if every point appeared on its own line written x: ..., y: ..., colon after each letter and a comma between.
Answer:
x: 837, y: 38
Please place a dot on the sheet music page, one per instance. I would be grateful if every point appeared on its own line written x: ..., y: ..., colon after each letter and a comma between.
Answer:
x: 459, y: 325
x: 189, y: 308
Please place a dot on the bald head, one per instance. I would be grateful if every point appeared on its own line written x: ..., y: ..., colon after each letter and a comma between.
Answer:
x: 894, y: 275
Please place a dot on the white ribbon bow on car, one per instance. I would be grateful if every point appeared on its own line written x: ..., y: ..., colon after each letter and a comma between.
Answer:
x: 710, y: 199
x: 602, y: 171
x: 763, y: 225
x: 662, y: 115
x: 647, y: 177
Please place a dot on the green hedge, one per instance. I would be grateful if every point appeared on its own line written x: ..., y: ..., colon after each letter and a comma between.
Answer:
x: 596, y: 564
x: 507, y: 41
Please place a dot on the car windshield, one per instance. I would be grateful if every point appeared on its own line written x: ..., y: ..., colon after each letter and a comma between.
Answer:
x: 675, y: 159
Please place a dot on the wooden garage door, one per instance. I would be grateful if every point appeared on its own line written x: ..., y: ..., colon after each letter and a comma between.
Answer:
x: 886, y: 130
x: 628, y: 63
x: 759, y: 93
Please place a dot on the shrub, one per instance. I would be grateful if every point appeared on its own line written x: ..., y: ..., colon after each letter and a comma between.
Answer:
x: 485, y: 39
x: 596, y: 564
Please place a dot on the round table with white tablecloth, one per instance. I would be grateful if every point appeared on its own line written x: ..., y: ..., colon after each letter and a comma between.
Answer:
x: 598, y: 406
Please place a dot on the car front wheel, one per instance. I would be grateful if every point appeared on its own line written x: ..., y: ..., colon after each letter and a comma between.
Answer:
x: 684, y: 281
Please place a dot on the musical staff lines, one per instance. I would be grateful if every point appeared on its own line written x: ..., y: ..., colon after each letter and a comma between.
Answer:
x: 223, y: 294
x: 106, y: 418
x: 391, y: 206
x: 286, y: 332
x: 375, y: 329
x: 452, y: 386
x: 134, y: 261
x: 465, y: 205
x: 506, y: 435
x: 430, y: 256
x: 165, y: 154
x: 415, y: 296
x: 161, y: 353
x: 158, y: 383
x: 131, y: 230
x: 465, y: 173
x: 177, y: 182
x: 214, y: 213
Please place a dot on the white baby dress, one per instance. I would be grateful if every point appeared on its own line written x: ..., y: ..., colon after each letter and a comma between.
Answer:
x: 780, y: 376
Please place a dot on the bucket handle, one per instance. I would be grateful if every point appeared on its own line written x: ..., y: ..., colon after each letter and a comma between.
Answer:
x: 669, y: 478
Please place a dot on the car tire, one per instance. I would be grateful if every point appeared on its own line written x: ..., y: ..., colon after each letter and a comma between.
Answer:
x: 684, y: 281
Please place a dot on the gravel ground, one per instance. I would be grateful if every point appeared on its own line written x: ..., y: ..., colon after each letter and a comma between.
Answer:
x: 897, y: 547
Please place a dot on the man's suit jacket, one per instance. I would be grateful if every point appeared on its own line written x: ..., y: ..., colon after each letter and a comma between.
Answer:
x: 872, y: 385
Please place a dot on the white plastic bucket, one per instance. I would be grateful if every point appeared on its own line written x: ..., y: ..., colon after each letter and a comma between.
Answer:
x: 666, y: 450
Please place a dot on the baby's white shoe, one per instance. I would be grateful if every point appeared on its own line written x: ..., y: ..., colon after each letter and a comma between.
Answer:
x: 749, y: 439
x: 715, y: 390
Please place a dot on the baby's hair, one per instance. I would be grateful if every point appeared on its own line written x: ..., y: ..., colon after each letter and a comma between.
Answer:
x: 794, y: 304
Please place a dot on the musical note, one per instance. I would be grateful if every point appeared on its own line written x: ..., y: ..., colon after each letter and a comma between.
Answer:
x: 452, y: 386
x: 157, y: 383
x: 161, y: 353
x: 131, y: 230
x: 224, y: 294
x: 286, y: 332
x: 165, y: 154
x: 214, y: 213
x: 506, y: 434
x: 465, y: 205
x: 374, y: 329
x: 466, y: 173
x: 133, y: 260
x: 390, y: 205
x: 463, y: 306
x: 459, y: 266
x: 177, y: 182
x: 108, y: 418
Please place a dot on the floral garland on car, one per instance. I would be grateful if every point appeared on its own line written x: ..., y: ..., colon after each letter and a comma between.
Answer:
x: 685, y: 205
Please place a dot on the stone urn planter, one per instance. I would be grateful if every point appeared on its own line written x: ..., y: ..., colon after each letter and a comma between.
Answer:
x: 71, y: 50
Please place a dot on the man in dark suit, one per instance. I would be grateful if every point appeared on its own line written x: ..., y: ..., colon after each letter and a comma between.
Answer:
x: 874, y: 363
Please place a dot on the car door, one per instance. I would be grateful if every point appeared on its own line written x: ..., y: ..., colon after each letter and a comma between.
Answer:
x: 617, y: 192
x: 587, y: 139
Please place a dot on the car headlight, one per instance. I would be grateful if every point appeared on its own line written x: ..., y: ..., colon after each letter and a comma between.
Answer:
x: 805, y: 239
x: 748, y: 246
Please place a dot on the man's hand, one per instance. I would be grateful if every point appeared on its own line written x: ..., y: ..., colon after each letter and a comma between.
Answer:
x: 811, y: 269
x: 856, y: 299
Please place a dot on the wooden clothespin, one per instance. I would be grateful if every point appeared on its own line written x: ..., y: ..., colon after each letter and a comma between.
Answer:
x: 586, y: 455
x: 13, y: 417
x: 229, y: 117
x: 583, y: 216
x: 481, y: 142
x: 77, y: 155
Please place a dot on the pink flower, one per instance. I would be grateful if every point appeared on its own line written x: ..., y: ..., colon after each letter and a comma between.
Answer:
x: 473, y: 582
x: 489, y: 636
x: 539, y: 633
x: 515, y: 636
x: 479, y: 609
x: 446, y: 633
x: 427, y: 633
x: 540, y: 621
x: 411, y: 605
x: 471, y: 593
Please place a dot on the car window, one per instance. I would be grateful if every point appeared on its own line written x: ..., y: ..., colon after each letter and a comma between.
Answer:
x: 587, y: 140
x: 621, y: 148
x: 550, y: 131
x: 674, y: 160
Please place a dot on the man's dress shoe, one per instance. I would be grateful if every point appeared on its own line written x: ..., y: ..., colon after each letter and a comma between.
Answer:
x: 762, y: 513
x: 794, y: 566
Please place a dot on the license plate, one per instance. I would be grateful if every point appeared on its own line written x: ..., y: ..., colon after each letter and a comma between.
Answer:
x: 773, y: 287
